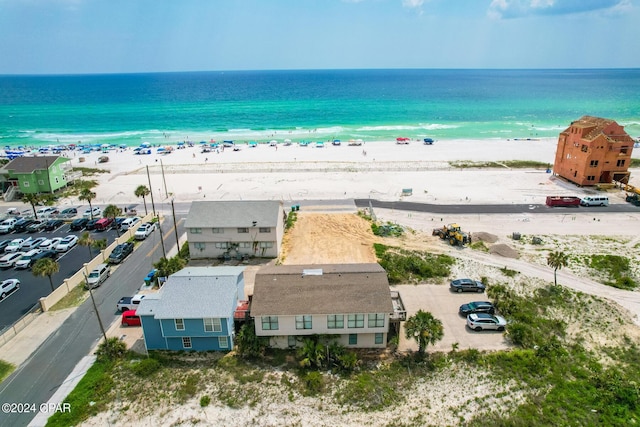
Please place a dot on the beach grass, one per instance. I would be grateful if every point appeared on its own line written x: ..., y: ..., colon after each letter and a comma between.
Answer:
x: 509, y: 164
x: 5, y: 369
x: 73, y: 299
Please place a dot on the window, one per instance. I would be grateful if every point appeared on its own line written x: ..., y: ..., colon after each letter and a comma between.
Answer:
x: 186, y: 342
x: 26, y: 183
x: 212, y: 325
x: 356, y: 321
x: 270, y: 323
x: 264, y: 229
x: 40, y: 182
x: 223, y: 342
x: 583, y: 148
x: 266, y: 244
x: 335, y: 321
x: 179, y: 324
x: 291, y: 340
x: 591, y: 178
x: 38, y: 171
x: 56, y: 179
x: 624, y: 150
x: 243, y: 230
x: 593, y: 163
x: 303, y: 322
x: 217, y: 230
x: 199, y: 245
x: 379, y: 338
x: 195, y: 230
x: 620, y: 163
x: 222, y: 245
x: 244, y: 244
x: 353, y: 339
x: 376, y: 320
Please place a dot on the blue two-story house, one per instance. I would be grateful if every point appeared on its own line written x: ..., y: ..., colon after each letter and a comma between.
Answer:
x: 193, y: 310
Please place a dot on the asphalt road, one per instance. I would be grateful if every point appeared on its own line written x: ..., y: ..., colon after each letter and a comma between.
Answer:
x: 39, y: 377
x: 32, y: 288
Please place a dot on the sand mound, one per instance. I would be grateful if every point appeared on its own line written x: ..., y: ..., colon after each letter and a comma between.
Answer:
x: 504, y: 250
x: 485, y: 237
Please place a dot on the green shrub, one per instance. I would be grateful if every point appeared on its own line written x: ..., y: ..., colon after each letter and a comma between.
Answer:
x: 146, y: 367
x: 313, y: 382
x: 204, y: 401
x: 404, y: 266
x: 111, y: 349
x: 291, y: 220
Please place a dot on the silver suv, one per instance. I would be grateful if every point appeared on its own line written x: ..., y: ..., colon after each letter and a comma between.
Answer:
x: 486, y: 321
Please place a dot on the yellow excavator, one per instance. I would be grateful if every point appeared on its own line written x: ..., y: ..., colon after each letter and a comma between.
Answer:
x: 453, y: 234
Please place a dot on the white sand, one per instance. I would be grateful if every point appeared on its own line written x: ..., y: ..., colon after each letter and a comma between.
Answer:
x: 296, y: 174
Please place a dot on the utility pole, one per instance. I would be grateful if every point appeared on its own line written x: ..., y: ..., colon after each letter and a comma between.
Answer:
x: 164, y: 181
x: 95, y: 308
x: 175, y: 225
x: 153, y: 206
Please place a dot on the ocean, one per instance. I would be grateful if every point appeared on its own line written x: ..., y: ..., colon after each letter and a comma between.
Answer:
x: 320, y: 105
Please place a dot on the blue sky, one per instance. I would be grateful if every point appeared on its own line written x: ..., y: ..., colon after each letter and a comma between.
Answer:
x: 115, y: 36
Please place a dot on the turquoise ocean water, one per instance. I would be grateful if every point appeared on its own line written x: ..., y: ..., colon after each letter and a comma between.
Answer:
x: 310, y: 105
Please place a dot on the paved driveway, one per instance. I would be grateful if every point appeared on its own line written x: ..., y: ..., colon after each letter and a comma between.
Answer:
x: 444, y: 304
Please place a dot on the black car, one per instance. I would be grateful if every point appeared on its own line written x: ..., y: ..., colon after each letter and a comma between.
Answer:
x: 35, y: 226
x: 120, y: 252
x: 466, y: 285
x: 52, y: 224
x: 44, y: 254
x: 79, y: 224
x: 477, y: 307
x: 21, y: 226
x: 91, y: 225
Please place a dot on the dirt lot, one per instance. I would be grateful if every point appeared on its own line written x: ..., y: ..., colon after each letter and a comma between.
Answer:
x: 328, y: 239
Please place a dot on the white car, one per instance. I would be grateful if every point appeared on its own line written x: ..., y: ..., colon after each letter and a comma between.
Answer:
x: 94, y: 212
x: 8, y: 286
x: 50, y: 243
x: 144, y: 230
x: 30, y: 243
x: 129, y: 223
x: 46, y: 212
x: 9, y: 260
x: 25, y: 260
x: 7, y: 225
x: 67, y: 243
x: 14, y: 245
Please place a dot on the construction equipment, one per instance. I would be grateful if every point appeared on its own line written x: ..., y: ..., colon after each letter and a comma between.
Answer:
x: 453, y: 234
x: 634, y: 199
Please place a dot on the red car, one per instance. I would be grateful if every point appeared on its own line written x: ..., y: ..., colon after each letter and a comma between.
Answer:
x: 129, y: 318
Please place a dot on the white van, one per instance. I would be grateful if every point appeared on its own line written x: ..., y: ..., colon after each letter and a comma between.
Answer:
x: 594, y: 201
x: 97, y: 276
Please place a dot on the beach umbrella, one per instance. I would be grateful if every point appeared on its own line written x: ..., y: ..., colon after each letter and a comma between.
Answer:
x: 161, y: 149
x: 105, y: 146
x: 203, y: 142
x: 123, y: 145
x: 145, y: 145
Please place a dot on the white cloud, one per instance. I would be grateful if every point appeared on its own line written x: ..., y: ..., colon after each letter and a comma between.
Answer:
x: 521, y: 8
x: 412, y: 4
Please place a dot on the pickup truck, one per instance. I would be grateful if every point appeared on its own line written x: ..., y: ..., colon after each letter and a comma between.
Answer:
x: 566, y: 201
x: 129, y: 303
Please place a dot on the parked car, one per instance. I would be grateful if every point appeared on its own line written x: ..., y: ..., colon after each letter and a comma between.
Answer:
x: 53, y: 224
x: 30, y: 243
x: 466, y: 285
x: 144, y: 230
x: 49, y: 253
x: 92, y: 213
x: 50, y: 243
x: 78, y: 224
x: 67, y: 243
x: 120, y: 252
x: 477, y: 307
x: 21, y: 225
x: 26, y: 259
x: 118, y: 221
x: 486, y: 321
x: 97, y: 276
x: 46, y: 212
x: 129, y: 223
x: 35, y: 226
x: 8, y: 286
x: 3, y: 244
x: 129, y: 318
x: 103, y: 224
x: 91, y: 224
x: 10, y: 259
x: 8, y: 225
x: 14, y: 245
x: 69, y: 212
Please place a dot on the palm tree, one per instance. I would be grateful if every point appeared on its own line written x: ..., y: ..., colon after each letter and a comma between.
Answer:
x: 33, y: 199
x: 557, y: 260
x: 46, y: 267
x: 88, y: 195
x: 167, y: 267
x: 424, y: 328
x: 90, y: 242
x: 112, y: 211
x: 143, y: 191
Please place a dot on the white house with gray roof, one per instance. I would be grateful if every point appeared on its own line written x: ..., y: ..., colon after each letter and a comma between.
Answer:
x: 193, y: 310
x: 235, y: 228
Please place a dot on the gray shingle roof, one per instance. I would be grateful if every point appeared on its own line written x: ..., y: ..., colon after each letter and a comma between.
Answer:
x: 30, y: 164
x: 340, y: 289
x: 200, y: 292
x: 240, y: 213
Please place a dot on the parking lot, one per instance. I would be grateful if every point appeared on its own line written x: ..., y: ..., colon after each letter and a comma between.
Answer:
x: 443, y: 305
x: 33, y: 288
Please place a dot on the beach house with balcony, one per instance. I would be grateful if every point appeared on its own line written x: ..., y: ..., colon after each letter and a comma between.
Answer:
x: 32, y: 175
x: 235, y: 228
x: 350, y: 302
x: 593, y: 151
x: 193, y: 310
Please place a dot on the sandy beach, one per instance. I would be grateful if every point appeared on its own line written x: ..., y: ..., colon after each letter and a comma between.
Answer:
x: 378, y: 170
